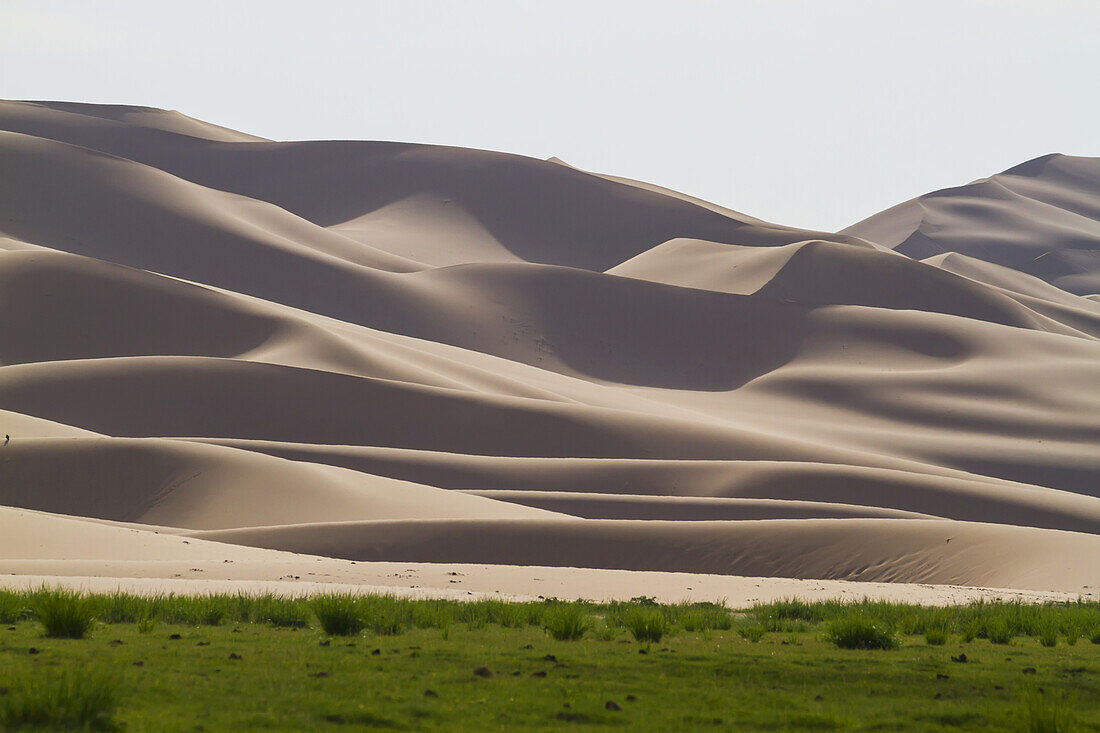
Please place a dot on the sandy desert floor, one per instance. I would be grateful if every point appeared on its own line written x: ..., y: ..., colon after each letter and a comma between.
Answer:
x: 232, y: 362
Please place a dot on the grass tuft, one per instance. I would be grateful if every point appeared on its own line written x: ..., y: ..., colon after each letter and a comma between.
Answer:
x: 999, y: 632
x: 705, y: 618
x: 1044, y: 713
x: 751, y: 633
x: 64, y: 614
x: 289, y: 613
x: 857, y: 631
x: 645, y: 623
x: 13, y: 606
x: 1048, y: 635
x: 62, y: 700
x: 339, y: 614
x: 935, y: 637
x: 566, y: 621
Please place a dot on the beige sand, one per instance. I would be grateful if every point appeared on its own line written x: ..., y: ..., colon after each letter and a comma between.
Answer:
x: 324, y: 352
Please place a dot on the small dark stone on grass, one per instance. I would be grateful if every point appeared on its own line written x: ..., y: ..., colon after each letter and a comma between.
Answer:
x: 818, y: 698
x: 528, y: 646
x: 376, y: 652
x: 549, y: 658
x: 643, y: 651
x: 350, y: 643
x: 483, y: 672
x: 998, y: 687
x: 32, y: 650
x: 1029, y: 670
x: 139, y: 663
x: 942, y: 676
x: 630, y: 698
x: 960, y: 658
x: 516, y: 673
x: 203, y: 643
x: 431, y: 693
x: 234, y: 655
x: 937, y: 696
x: 174, y: 637
x: 612, y: 705
x: 11, y: 628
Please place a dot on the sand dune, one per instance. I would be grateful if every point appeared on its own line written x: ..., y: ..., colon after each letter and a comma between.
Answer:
x: 1041, y: 217
x: 196, y: 486
x: 871, y: 550
x: 412, y: 353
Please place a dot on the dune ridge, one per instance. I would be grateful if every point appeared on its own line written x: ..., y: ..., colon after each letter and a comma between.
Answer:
x: 401, y: 353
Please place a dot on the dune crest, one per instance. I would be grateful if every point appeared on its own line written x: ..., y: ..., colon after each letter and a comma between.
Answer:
x: 220, y: 348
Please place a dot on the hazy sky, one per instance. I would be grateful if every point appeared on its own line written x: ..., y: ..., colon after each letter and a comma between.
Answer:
x: 813, y: 114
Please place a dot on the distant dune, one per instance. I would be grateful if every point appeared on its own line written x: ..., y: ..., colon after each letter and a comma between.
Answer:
x: 396, y: 353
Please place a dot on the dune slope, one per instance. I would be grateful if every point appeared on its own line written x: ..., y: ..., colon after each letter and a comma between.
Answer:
x: 397, y: 352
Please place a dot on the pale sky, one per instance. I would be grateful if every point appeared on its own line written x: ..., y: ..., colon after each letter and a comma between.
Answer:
x: 807, y: 113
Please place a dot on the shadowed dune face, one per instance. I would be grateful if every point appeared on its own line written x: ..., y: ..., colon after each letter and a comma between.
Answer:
x: 381, y: 351
x: 1041, y: 218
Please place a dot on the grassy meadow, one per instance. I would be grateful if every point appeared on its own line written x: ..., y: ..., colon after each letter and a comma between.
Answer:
x: 231, y: 663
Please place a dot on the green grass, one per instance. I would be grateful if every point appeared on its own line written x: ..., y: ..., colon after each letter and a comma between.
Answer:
x: 64, y: 699
x: 1044, y: 713
x: 12, y: 606
x: 935, y: 637
x: 268, y: 663
x: 751, y: 633
x: 64, y: 614
x: 857, y: 631
x: 339, y: 615
x: 566, y: 621
x: 645, y: 623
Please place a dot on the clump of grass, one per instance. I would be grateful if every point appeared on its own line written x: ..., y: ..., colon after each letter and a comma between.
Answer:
x: 792, y: 609
x: 1094, y: 637
x: 66, y: 699
x: 858, y: 631
x: 935, y: 637
x: 209, y: 610
x: 146, y: 623
x: 566, y: 621
x: 432, y: 614
x: 751, y: 633
x: 607, y: 632
x: 64, y: 614
x: 12, y: 606
x: 645, y: 623
x: 1043, y: 713
x: 385, y: 622
x: 1048, y: 635
x: 290, y: 613
x: 705, y: 618
x: 999, y: 632
x: 339, y: 614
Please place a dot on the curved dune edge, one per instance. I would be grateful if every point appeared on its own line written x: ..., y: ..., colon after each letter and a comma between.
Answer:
x: 39, y: 549
x: 412, y: 352
x: 876, y: 550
